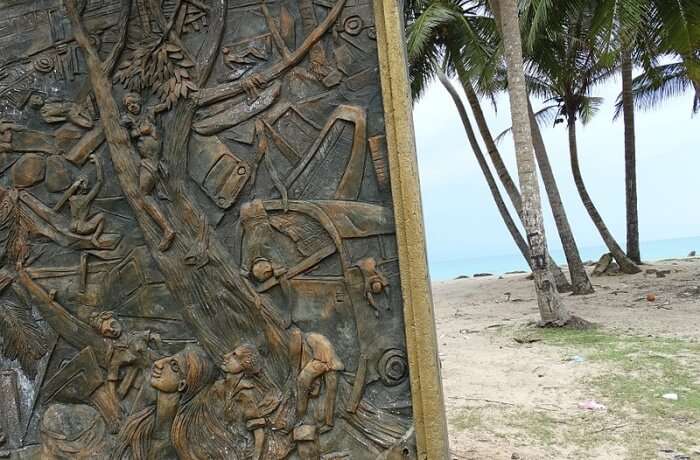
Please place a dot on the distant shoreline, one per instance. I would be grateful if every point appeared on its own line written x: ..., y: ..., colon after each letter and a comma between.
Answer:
x: 652, y: 251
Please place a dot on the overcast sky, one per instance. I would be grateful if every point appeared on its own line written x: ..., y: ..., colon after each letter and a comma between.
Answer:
x: 462, y: 220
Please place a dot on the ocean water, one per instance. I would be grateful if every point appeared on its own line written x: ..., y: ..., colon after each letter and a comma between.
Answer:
x: 497, y: 265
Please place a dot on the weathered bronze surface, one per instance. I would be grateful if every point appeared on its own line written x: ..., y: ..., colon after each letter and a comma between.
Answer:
x: 198, y: 237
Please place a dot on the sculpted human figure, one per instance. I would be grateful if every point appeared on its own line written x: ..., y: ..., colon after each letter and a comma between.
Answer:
x: 316, y: 359
x: 57, y: 111
x: 124, y: 350
x: 80, y: 198
x: 149, y: 144
x: 182, y: 424
x: 6, y: 130
x: 253, y: 401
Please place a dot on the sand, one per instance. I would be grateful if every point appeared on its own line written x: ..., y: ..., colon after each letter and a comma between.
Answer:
x: 510, y: 400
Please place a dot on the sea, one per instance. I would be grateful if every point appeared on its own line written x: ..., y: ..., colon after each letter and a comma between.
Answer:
x: 501, y: 264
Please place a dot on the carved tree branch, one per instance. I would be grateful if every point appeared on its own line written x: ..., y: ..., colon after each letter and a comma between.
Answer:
x: 210, y: 47
x: 111, y: 61
x: 219, y: 93
x: 228, y: 299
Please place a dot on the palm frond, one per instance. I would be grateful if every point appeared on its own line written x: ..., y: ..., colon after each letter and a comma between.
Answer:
x: 545, y: 115
x: 588, y: 107
x: 422, y: 31
x: 656, y: 85
x: 22, y: 339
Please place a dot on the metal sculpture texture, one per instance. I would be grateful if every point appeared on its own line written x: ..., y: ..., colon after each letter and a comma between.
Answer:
x: 196, y: 231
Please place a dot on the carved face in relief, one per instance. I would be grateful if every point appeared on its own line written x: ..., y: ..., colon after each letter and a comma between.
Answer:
x: 231, y: 364
x: 168, y: 375
x: 132, y: 103
x: 262, y: 270
x: 36, y: 101
x: 111, y: 328
x: 242, y: 359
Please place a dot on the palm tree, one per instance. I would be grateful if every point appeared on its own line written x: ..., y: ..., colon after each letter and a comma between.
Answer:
x: 438, y: 30
x: 565, y: 65
x: 580, y: 282
x: 620, y: 23
x: 489, y: 80
x: 552, y: 311
x: 667, y: 31
x: 633, y: 251
x: 644, y: 31
x: 483, y: 165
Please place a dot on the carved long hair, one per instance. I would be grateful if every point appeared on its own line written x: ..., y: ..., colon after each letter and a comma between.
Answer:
x: 197, y: 432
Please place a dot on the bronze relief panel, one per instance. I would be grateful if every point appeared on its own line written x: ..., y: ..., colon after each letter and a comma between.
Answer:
x: 199, y: 257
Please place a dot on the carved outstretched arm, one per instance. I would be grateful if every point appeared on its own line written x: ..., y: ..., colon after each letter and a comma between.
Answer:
x: 66, y: 196
x: 99, y: 181
x: 158, y: 108
x: 71, y: 329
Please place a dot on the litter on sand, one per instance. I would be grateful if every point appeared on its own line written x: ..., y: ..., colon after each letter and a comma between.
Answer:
x: 591, y: 405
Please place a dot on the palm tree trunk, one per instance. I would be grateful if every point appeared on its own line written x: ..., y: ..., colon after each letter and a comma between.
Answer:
x: 630, y: 160
x: 626, y: 265
x: 491, y: 148
x: 493, y: 187
x: 511, y: 189
x: 552, y: 311
x: 579, y: 278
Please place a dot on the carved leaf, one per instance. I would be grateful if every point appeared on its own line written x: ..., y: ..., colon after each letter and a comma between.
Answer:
x: 162, y: 68
x: 22, y: 339
x: 186, y: 63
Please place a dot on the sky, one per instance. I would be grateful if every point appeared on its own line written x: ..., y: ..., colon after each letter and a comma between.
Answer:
x: 461, y: 218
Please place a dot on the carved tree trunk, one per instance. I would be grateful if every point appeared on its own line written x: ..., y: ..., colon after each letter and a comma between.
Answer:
x: 630, y: 160
x: 552, y: 311
x: 228, y: 302
x: 563, y: 284
x: 626, y: 265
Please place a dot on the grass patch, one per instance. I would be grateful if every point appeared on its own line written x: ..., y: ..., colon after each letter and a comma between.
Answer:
x: 641, y: 370
x: 466, y: 419
x: 537, y: 426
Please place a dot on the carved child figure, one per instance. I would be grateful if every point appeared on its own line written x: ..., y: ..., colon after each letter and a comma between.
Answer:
x: 130, y: 350
x: 80, y: 198
x: 56, y: 111
x: 149, y: 144
x: 316, y: 359
x: 251, y: 399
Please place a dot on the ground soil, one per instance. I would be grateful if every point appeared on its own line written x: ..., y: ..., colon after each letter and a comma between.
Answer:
x: 519, y: 399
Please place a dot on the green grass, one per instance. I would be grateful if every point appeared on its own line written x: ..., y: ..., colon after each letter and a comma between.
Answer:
x: 467, y: 419
x: 641, y: 370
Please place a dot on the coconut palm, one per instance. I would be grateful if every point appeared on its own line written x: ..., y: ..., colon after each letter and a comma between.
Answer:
x: 490, y: 80
x: 620, y: 24
x: 565, y: 65
x: 552, y: 311
x: 457, y: 36
x: 667, y: 45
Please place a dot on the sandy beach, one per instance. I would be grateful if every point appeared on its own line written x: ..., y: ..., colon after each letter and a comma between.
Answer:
x: 628, y: 389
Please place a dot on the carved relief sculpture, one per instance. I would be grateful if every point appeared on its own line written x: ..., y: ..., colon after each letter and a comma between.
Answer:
x: 197, y: 239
